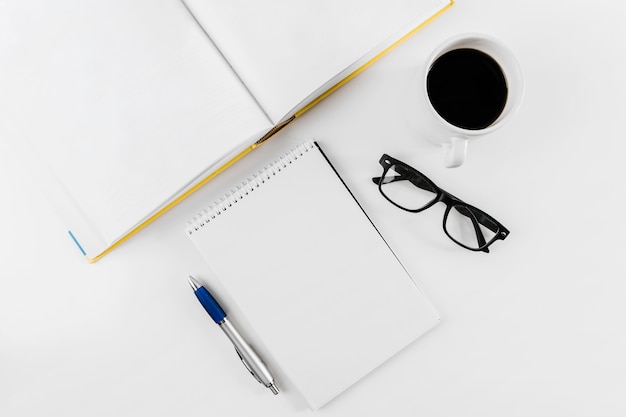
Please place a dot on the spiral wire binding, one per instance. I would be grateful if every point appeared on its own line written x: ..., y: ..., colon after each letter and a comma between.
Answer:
x: 246, y: 187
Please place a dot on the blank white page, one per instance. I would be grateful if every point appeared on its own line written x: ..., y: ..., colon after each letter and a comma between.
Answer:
x: 285, y: 50
x: 311, y: 276
x: 125, y: 101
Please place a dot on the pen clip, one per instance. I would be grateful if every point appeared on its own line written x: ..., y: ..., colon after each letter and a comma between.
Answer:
x: 248, y: 366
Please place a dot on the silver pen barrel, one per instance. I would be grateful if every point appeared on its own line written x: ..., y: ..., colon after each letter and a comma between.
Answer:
x: 249, y: 357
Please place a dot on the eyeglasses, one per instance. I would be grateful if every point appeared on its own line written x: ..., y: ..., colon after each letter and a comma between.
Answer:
x: 410, y: 190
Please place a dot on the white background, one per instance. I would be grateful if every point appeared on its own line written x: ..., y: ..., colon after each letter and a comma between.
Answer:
x: 536, y: 327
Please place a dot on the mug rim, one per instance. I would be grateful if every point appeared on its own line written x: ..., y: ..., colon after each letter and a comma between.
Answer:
x: 510, y: 108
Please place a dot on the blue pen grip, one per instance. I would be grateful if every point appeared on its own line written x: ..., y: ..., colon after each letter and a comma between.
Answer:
x: 210, y: 305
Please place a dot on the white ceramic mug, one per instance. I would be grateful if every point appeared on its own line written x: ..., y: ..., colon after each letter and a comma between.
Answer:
x: 455, y: 142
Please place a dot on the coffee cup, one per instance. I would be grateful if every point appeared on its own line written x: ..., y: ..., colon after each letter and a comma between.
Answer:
x: 472, y: 85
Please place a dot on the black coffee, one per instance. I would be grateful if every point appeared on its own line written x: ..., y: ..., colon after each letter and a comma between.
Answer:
x: 467, y: 88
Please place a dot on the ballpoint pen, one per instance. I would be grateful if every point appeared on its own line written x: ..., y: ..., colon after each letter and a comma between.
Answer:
x: 248, y: 356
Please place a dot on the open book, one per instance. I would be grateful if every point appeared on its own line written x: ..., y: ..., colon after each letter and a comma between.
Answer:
x: 123, y: 108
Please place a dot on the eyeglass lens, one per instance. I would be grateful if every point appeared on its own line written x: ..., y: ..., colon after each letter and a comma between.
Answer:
x: 469, y: 227
x: 406, y: 189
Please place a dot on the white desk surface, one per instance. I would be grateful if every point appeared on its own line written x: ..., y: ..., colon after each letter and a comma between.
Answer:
x: 536, y: 327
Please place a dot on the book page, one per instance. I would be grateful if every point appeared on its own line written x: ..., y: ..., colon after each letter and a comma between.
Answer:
x: 324, y: 297
x: 286, y: 50
x: 124, y: 101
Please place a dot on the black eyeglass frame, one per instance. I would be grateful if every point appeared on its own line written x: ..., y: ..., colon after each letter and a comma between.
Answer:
x: 476, y: 215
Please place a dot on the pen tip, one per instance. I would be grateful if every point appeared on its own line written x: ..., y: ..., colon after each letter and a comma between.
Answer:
x: 273, y: 388
x: 194, y: 284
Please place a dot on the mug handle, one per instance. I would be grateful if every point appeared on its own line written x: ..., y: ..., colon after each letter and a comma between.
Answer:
x: 454, y: 152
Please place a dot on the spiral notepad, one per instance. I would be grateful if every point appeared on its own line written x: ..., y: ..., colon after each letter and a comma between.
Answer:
x: 320, y: 293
